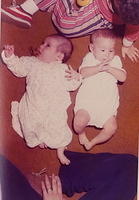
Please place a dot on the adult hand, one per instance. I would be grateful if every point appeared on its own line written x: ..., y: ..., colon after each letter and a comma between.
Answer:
x: 52, y: 190
x: 8, y: 50
x: 132, y: 52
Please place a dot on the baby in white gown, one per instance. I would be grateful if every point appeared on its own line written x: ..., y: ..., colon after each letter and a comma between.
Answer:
x: 41, y: 115
x: 98, y: 97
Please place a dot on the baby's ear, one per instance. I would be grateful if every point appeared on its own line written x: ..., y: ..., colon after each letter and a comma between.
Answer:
x: 60, y: 56
x: 91, y: 47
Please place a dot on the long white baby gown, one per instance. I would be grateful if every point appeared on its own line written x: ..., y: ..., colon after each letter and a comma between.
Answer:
x: 98, y: 94
x: 41, y: 114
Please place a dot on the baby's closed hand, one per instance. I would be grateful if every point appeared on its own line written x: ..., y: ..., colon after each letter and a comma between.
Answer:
x: 104, y: 66
x: 8, y: 50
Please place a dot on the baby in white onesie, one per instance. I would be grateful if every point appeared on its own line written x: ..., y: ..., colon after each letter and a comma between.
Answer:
x: 41, y: 115
x: 98, y: 97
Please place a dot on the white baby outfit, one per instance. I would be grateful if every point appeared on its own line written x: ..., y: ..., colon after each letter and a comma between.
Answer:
x: 98, y: 94
x: 41, y: 114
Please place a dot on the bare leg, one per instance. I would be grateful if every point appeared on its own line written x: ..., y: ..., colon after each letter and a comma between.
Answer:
x: 105, y: 134
x: 83, y: 138
x: 80, y: 122
x: 63, y: 159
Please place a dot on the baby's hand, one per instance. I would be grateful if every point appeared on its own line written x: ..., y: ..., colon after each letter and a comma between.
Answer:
x: 132, y: 52
x: 72, y: 74
x: 8, y: 50
x: 104, y: 66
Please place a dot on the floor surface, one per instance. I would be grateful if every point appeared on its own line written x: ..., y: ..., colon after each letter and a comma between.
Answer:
x: 12, y: 88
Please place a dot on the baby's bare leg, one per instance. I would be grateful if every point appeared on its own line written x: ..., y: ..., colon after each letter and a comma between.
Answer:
x: 80, y: 122
x: 63, y: 159
x: 83, y: 138
x: 105, y: 134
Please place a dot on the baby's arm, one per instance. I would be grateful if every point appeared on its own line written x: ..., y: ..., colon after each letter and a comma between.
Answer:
x: 119, y: 74
x: 105, y: 66
x: 8, y: 50
x: 114, y: 67
x: 18, y: 66
x: 89, y: 67
x: 90, y: 71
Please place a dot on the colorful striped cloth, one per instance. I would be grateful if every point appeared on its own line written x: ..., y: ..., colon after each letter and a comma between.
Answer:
x: 83, y: 22
x: 96, y: 15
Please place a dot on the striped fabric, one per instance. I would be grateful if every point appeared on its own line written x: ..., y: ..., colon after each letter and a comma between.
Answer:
x: 18, y: 16
x: 85, y: 22
x: 26, y: 16
x: 45, y: 4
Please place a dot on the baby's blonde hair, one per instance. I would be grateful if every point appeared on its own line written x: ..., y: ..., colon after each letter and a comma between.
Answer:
x: 105, y: 33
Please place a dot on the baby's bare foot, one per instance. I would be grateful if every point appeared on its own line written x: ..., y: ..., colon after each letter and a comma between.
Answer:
x: 89, y: 145
x: 83, y: 139
x: 42, y: 145
x: 63, y: 159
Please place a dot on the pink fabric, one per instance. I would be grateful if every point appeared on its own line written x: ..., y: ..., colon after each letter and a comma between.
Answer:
x: 131, y: 31
x: 96, y: 15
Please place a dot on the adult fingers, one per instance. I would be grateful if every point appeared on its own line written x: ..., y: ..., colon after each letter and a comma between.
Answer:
x: 54, y: 183
x: 136, y: 50
x: 44, y: 192
x: 59, y: 186
x: 136, y: 54
x: 47, y: 183
x: 132, y: 57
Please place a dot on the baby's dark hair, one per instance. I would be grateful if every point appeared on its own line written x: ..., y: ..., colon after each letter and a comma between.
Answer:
x: 105, y: 33
x: 65, y: 46
x: 128, y: 10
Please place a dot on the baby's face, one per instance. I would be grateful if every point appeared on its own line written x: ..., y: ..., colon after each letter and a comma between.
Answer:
x: 104, y: 49
x: 47, y: 51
